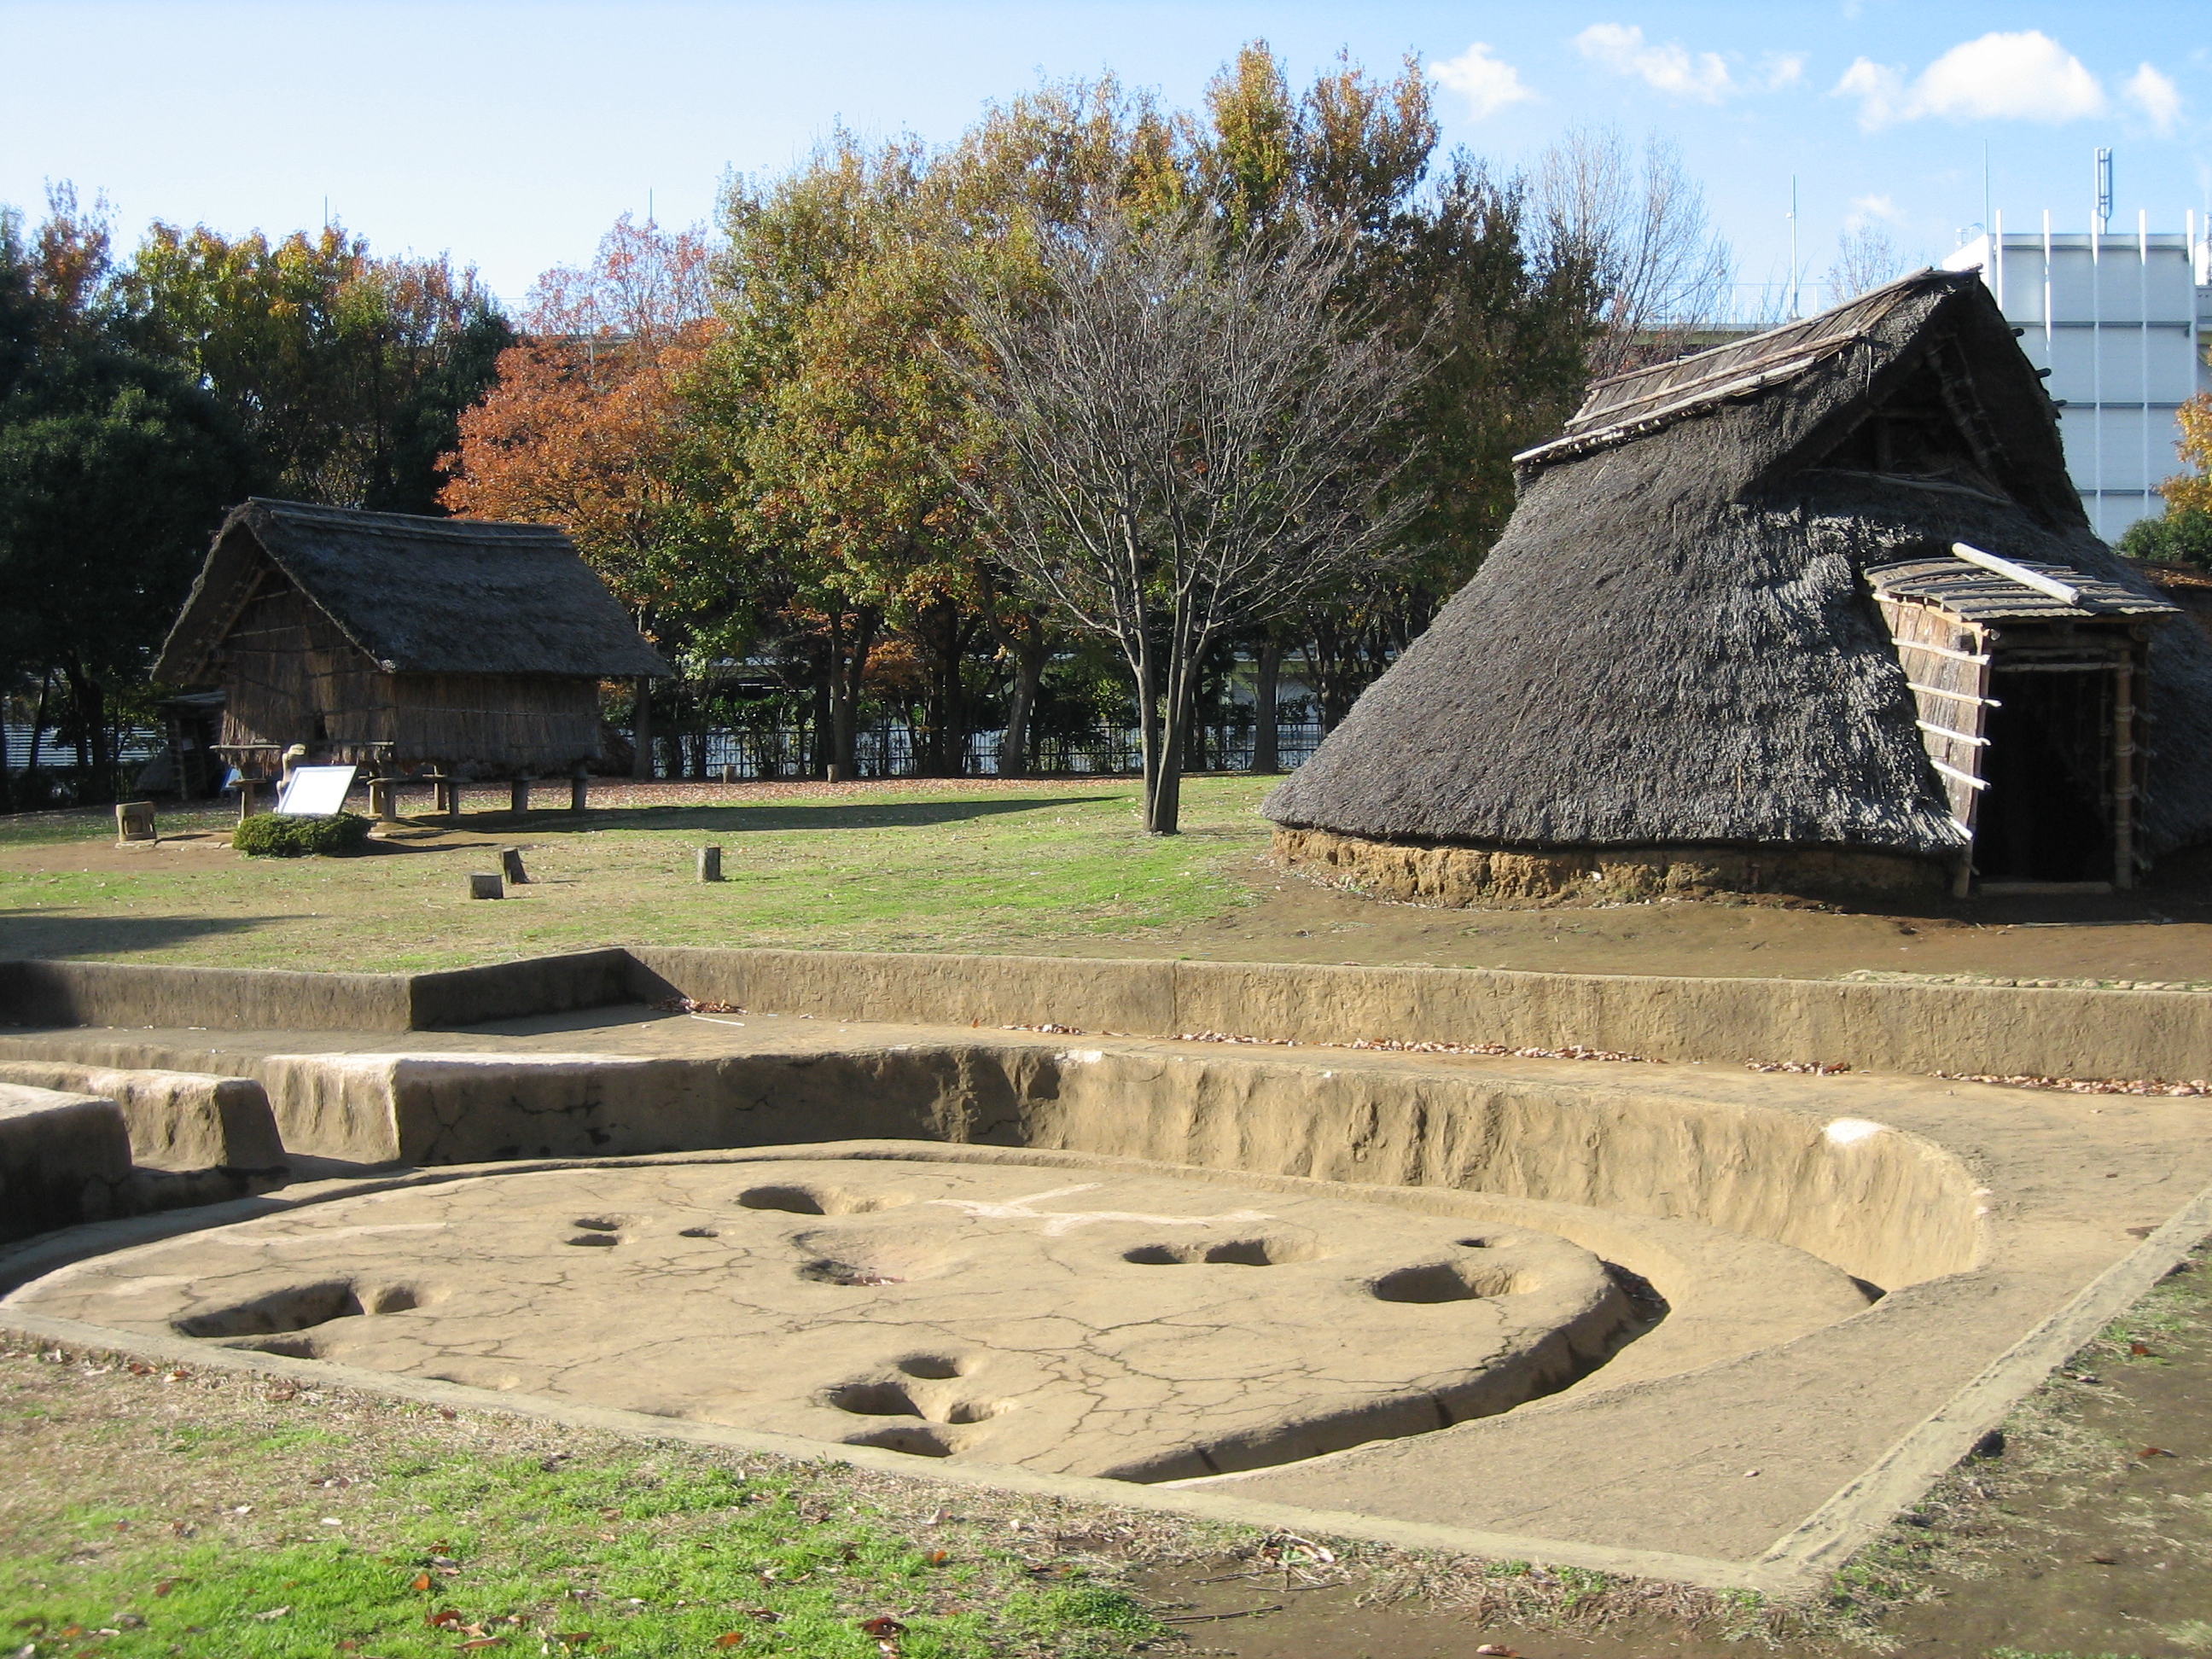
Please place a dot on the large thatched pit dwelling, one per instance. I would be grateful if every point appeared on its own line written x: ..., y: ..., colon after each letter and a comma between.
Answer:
x: 394, y: 641
x: 1818, y: 611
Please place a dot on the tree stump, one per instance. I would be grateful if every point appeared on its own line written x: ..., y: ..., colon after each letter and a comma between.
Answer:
x: 710, y: 864
x: 510, y: 861
x: 484, y: 885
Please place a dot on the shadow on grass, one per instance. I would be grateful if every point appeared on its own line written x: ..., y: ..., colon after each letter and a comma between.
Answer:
x: 53, y: 933
x: 860, y: 815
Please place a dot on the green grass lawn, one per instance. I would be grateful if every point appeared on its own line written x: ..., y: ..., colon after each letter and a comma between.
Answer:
x: 215, y: 1515
x: 1001, y: 868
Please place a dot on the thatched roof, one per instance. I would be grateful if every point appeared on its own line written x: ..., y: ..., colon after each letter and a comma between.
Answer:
x: 417, y: 595
x: 1673, y: 641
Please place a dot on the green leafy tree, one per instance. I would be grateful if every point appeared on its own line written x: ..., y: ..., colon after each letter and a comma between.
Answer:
x: 829, y: 409
x: 1440, y: 257
x: 347, y: 372
x: 114, y: 471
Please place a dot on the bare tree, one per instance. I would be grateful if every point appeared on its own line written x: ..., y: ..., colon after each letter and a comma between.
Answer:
x: 1186, y: 434
x: 1865, y: 258
x: 1641, y: 230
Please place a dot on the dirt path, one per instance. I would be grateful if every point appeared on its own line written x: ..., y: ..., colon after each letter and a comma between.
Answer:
x: 2163, y: 934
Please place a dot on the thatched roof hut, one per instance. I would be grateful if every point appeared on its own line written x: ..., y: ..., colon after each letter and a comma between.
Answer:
x: 1730, y: 639
x: 394, y: 641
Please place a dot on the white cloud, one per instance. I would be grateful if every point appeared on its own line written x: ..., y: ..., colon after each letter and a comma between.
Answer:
x: 1880, y: 90
x: 2156, y: 96
x: 2028, y: 76
x: 1865, y: 209
x: 1672, y: 68
x: 1788, y: 70
x: 1487, y: 82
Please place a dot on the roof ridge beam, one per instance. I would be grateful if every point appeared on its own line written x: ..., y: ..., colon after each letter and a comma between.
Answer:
x: 2064, y: 594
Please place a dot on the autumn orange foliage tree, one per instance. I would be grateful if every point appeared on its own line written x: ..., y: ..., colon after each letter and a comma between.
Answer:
x: 588, y: 429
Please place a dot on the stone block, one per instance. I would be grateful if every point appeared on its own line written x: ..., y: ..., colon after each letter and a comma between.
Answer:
x: 134, y: 821
x: 64, y: 1158
x: 178, y: 1120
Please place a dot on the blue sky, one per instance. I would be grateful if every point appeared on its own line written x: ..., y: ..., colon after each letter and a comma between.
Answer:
x: 512, y: 134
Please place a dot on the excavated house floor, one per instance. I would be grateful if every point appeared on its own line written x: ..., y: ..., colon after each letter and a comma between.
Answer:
x: 1674, y: 1319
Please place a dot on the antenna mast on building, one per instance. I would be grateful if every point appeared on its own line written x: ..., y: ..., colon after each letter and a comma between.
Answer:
x: 1793, y: 245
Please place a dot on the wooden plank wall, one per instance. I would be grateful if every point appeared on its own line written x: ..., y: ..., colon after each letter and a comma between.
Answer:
x: 288, y: 666
x: 286, y: 663
x: 530, y: 723
x: 1947, y: 664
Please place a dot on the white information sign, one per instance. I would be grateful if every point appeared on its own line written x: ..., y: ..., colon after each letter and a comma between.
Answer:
x: 316, y: 792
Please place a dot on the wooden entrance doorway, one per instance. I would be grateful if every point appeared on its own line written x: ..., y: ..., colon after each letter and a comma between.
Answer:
x: 2027, y: 679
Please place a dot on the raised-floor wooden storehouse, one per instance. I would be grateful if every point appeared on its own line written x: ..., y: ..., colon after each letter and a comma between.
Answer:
x: 1818, y: 611
x: 398, y: 642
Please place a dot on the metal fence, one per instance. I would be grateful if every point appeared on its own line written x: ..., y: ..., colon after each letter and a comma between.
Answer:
x: 884, y: 749
x: 887, y: 750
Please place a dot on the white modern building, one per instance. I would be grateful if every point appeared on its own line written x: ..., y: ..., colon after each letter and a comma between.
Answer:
x: 2121, y: 324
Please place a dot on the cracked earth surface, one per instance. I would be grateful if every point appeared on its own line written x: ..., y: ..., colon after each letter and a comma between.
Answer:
x: 1141, y: 1327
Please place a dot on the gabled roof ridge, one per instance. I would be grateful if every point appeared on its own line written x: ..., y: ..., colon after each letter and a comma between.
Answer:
x: 1645, y: 401
x: 408, y: 526
x: 1860, y: 309
x: 419, y: 595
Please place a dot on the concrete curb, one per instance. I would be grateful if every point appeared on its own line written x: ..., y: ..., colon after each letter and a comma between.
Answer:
x: 1834, y: 1532
x: 1880, y: 1026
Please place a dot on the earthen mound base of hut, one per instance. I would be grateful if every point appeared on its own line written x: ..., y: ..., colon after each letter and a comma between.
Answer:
x: 1463, y: 876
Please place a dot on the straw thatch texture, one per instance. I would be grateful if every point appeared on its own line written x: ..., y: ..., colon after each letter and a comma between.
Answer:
x: 376, y: 637
x: 416, y: 595
x: 1673, y: 642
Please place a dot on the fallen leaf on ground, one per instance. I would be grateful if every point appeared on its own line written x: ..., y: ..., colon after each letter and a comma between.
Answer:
x: 1502, y: 1653
x: 2140, y: 1350
x: 729, y: 1638
x: 273, y: 1613
x: 938, y: 1558
x: 2155, y: 1451
x: 480, y: 1642
x: 884, y: 1626
x: 445, y: 1618
x: 421, y: 1581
